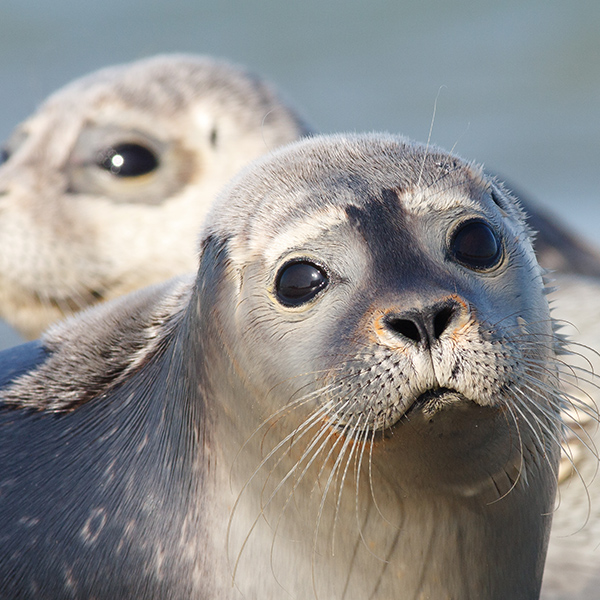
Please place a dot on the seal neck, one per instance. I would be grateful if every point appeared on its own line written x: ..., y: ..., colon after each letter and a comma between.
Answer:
x: 406, y: 516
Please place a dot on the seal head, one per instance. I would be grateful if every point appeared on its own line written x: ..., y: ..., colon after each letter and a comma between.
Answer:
x: 103, y: 189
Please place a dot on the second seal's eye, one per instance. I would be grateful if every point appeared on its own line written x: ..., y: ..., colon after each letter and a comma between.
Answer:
x: 128, y: 160
x: 476, y: 246
x: 298, y: 282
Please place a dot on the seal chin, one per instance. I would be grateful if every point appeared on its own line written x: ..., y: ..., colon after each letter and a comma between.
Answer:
x: 434, y: 401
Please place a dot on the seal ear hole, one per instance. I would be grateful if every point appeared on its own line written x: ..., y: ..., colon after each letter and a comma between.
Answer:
x: 298, y: 282
x: 476, y: 246
x: 128, y: 160
x: 214, y: 137
x: 496, y: 199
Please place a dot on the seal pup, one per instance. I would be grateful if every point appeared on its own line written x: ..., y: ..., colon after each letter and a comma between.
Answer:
x: 354, y: 398
x: 104, y: 188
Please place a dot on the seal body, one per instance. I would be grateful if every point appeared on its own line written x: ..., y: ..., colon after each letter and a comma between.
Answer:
x: 104, y: 188
x: 350, y: 400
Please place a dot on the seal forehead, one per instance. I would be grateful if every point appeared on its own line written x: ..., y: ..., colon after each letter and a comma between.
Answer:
x: 460, y: 188
x: 311, y: 185
x: 262, y: 239
x: 165, y: 85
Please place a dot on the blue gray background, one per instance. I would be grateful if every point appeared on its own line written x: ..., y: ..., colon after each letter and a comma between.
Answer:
x: 518, y: 82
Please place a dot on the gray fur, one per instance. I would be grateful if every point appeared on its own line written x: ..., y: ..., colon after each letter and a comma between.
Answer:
x: 313, y: 450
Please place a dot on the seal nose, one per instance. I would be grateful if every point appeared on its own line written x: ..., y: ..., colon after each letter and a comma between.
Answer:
x: 425, y: 326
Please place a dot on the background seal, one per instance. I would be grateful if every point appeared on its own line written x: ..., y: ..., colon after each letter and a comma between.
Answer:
x: 104, y: 188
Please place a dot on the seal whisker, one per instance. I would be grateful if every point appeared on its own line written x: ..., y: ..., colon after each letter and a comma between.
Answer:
x: 521, y: 467
x: 303, y: 428
x: 559, y: 436
x: 539, y: 433
x: 265, y: 504
x: 567, y: 348
x: 333, y: 472
x: 561, y: 399
x: 355, y: 443
x: 371, y: 485
x: 323, y: 429
x: 285, y: 409
x: 365, y: 442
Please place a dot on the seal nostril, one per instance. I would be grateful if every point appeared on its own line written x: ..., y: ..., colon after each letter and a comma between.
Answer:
x: 442, y: 320
x: 405, y: 327
x: 424, y: 326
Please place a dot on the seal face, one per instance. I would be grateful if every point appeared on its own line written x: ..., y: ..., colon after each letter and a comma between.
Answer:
x: 103, y: 190
x: 355, y: 398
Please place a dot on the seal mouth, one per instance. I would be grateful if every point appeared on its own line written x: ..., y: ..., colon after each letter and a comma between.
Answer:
x: 435, y: 400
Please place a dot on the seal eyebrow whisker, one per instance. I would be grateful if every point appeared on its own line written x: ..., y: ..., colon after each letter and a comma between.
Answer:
x: 436, y: 182
x: 425, y: 153
x: 443, y: 190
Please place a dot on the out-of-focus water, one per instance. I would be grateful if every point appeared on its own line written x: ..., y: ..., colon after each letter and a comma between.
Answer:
x: 518, y: 81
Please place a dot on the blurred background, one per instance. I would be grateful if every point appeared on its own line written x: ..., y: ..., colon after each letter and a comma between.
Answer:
x: 517, y: 83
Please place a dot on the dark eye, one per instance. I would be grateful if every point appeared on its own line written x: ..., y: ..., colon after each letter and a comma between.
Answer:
x: 298, y: 282
x: 128, y: 160
x: 4, y: 155
x: 476, y: 246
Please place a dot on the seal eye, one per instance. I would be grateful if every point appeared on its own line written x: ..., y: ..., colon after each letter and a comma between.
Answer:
x: 128, y: 160
x: 476, y: 246
x: 298, y: 282
x: 4, y: 155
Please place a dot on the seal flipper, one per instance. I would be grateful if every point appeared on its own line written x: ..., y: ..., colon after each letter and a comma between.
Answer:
x: 21, y: 359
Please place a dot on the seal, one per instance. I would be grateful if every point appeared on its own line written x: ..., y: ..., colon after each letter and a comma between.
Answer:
x: 104, y: 188
x: 354, y: 398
